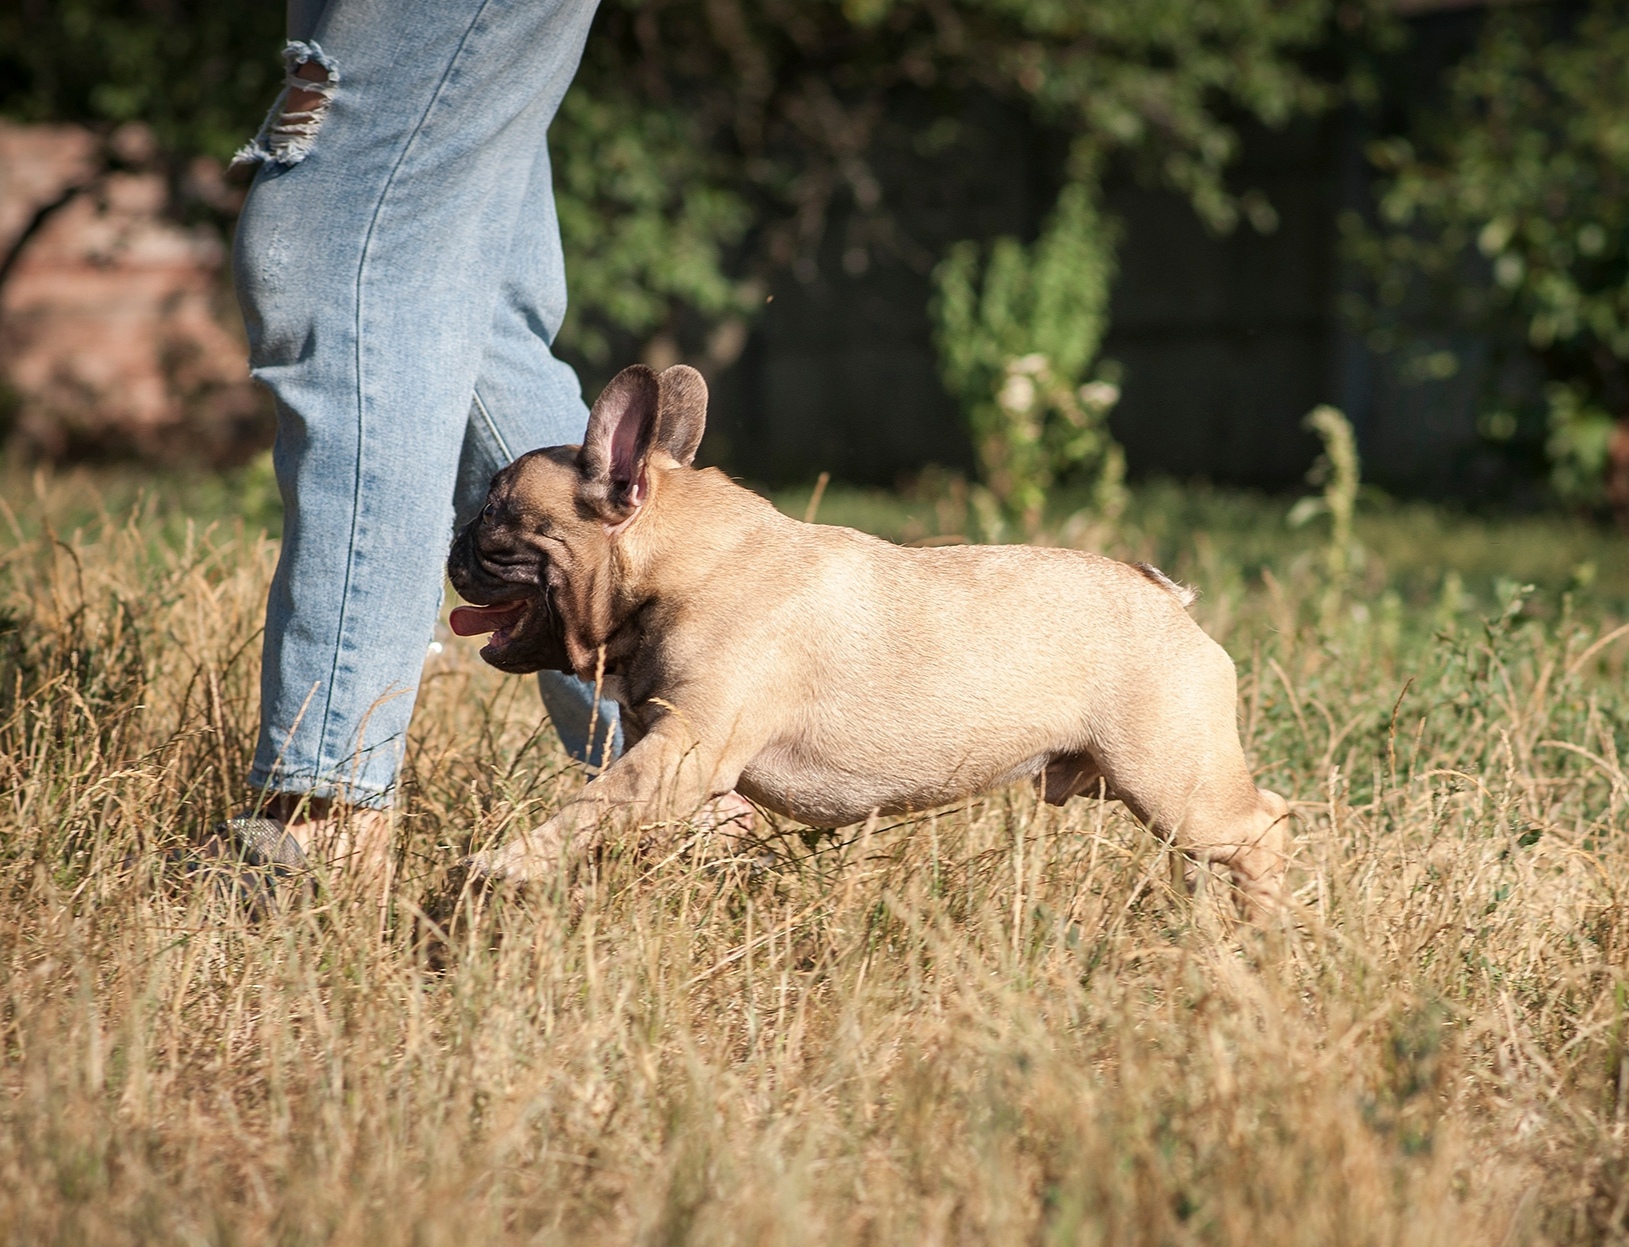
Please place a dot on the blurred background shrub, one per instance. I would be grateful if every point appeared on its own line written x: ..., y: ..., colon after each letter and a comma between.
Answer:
x: 1016, y: 335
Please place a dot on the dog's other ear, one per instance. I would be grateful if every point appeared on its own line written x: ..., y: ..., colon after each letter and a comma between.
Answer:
x: 618, y: 441
x: 681, y: 412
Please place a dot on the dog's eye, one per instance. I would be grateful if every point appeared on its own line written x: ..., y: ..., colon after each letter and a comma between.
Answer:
x: 490, y: 511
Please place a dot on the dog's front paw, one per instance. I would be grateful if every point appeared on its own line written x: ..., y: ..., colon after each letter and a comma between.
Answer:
x: 731, y: 812
x: 522, y: 860
x: 484, y: 867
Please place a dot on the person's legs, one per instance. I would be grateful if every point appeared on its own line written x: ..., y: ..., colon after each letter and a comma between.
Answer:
x: 372, y: 263
x: 524, y: 399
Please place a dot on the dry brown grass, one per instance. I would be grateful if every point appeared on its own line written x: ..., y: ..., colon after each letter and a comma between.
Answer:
x: 997, y: 1024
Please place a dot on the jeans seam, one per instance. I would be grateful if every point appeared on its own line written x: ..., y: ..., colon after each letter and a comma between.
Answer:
x: 492, y: 428
x: 361, y: 418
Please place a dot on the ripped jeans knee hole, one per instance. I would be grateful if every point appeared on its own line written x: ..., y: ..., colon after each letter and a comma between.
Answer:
x: 289, y: 132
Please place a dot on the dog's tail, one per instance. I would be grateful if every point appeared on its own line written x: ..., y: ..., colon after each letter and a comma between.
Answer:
x: 1182, y: 593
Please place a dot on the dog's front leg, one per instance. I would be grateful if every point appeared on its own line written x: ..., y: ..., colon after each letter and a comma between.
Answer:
x: 667, y: 774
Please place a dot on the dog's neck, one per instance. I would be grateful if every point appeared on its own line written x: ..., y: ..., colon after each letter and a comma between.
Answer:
x: 696, y: 518
x: 695, y: 523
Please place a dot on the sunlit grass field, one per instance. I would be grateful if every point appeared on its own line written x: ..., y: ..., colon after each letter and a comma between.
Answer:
x: 999, y: 1023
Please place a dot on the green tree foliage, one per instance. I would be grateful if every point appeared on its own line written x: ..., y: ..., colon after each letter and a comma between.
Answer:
x: 646, y: 216
x: 706, y: 141
x: 1017, y: 329
x: 199, y: 75
x: 794, y: 92
x: 1514, y: 198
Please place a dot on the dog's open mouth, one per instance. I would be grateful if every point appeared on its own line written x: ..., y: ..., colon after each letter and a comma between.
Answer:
x: 499, y: 620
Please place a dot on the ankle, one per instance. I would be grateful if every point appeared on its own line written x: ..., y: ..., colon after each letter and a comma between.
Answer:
x: 341, y: 835
x: 292, y: 808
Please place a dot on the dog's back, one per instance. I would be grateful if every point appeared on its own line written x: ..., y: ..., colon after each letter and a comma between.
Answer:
x: 893, y: 678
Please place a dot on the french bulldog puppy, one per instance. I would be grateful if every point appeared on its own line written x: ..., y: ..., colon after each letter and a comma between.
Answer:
x: 829, y: 675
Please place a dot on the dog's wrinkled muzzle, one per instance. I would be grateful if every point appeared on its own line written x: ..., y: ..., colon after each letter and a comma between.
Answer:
x: 470, y: 576
x: 509, y: 603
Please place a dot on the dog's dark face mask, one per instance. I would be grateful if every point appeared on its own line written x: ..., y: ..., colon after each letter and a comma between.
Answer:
x: 509, y: 558
x: 539, y: 557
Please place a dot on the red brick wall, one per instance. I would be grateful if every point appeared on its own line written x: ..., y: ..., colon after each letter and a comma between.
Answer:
x: 117, y: 334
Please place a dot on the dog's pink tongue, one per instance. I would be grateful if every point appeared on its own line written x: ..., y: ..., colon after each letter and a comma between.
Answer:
x: 475, y: 620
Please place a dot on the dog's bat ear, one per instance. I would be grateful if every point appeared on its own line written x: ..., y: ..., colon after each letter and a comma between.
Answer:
x: 681, y: 412
x: 636, y: 413
x: 620, y: 429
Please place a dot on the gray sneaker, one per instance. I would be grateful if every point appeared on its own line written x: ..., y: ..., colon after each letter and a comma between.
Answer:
x: 263, y: 842
x: 256, y: 863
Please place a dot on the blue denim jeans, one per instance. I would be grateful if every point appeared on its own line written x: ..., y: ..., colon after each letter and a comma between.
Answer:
x: 399, y: 267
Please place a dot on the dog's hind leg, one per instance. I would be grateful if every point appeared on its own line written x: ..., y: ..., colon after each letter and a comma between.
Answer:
x: 1252, y: 843
x: 1176, y: 762
x: 1228, y: 823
